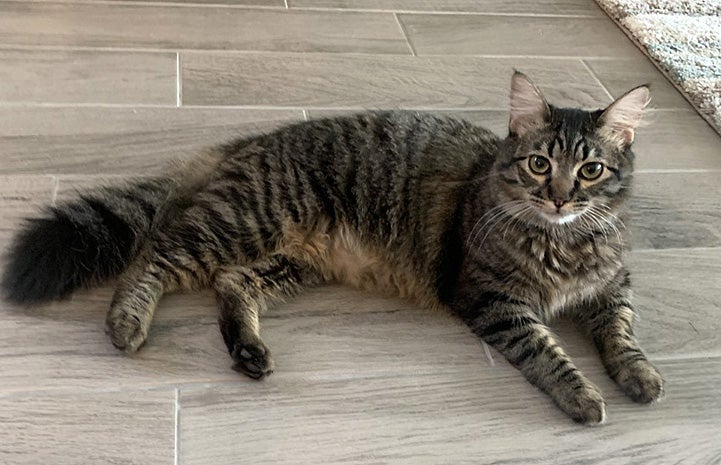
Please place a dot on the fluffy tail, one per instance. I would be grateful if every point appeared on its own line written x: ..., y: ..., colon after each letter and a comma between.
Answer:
x: 86, y: 241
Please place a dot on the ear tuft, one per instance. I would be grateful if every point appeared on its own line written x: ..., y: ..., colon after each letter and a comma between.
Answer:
x: 529, y: 109
x: 619, y: 121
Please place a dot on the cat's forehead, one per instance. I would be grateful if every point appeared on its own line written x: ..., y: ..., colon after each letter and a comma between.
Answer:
x: 571, y: 122
x: 570, y: 134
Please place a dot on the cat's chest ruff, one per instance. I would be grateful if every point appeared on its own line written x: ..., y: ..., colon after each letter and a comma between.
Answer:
x: 565, y: 275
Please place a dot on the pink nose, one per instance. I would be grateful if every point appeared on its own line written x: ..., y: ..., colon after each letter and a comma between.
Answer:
x: 559, y: 202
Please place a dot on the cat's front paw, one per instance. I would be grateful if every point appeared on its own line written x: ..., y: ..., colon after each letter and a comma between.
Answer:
x: 641, y: 381
x: 126, y: 330
x: 584, y: 404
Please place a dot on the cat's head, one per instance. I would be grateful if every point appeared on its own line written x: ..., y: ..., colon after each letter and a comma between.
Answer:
x: 563, y: 167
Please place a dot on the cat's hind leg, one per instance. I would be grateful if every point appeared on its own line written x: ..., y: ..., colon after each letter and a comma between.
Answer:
x: 243, y: 292
x: 136, y: 296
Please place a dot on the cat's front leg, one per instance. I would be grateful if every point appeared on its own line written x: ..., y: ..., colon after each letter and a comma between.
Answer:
x: 512, y: 328
x: 610, y: 323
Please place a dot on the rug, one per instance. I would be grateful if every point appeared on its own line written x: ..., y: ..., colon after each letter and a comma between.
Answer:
x: 684, y: 38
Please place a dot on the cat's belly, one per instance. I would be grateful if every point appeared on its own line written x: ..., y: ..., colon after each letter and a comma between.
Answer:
x: 342, y: 256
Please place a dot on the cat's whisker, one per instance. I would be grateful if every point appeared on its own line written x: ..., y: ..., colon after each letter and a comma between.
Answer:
x: 517, y: 218
x: 478, y: 223
x: 493, y: 215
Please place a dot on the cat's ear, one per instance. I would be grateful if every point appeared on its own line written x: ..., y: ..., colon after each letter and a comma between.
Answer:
x: 529, y: 109
x: 619, y: 121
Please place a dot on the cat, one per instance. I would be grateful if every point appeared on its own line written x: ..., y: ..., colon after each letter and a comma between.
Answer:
x: 505, y: 233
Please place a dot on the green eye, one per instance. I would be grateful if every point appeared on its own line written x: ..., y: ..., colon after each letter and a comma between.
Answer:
x: 591, y: 171
x: 539, y: 165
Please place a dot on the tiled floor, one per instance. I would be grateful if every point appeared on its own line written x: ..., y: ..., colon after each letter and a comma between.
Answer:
x: 92, y: 90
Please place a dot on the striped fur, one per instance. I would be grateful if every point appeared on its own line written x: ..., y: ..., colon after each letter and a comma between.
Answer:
x: 427, y: 207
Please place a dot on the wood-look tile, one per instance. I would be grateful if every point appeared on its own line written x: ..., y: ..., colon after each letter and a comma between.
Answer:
x: 120, y: 140
x: 62, y: 346
x: 87, y: 77
x: 672, y: 210
x: 515, y: 35
x: 545, y: 7
x: 678, y: 139
x: 330, y: 333
x: 120, y: 428
x: 276, y: 3
x: 621, y: 75
x: 149, y: 26
x: 374, y: 82
x: 453, y: 416
x: 22, y: 195
x: 678, y: 298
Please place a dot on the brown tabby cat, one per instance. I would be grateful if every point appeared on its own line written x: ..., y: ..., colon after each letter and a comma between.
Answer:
x: 506, y: 233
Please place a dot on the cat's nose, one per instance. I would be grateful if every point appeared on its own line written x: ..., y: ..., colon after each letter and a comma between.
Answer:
x: 559, y: 202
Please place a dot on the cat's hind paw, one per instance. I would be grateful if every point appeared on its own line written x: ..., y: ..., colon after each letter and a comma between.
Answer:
x: 126, y: 330
x: 252, y: 359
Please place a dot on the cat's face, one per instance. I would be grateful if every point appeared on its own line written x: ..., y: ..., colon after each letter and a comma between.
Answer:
x: 566, y: 167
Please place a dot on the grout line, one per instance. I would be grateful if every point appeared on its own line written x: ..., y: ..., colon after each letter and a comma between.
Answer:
x: 404, y: 33
x: 277, y: 107
x: 311, y: 8
x: 677, y: 171
x: 56, y: 187
x: 305, y: 115
x: 284, y: 53
x: 675, y: 249
x: 598, y: 81
x: 176, y: 443
x: 238, y: 107
x: 178, y: 83
x: 82, y: 105
x: 204, y: 51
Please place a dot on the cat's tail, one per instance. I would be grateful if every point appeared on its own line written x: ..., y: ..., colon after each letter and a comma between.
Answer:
x: 85, y: 241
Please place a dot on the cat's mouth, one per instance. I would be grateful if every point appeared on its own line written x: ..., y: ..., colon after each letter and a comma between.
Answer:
x: 559, y: 217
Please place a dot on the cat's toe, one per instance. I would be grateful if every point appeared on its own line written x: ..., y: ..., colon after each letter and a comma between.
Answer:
x: 126, y: 331
x: 585, y: 405
x: 641, y: 381
x: 252, y: 359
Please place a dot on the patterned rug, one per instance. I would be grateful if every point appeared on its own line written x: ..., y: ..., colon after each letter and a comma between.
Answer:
x: 684, y: 37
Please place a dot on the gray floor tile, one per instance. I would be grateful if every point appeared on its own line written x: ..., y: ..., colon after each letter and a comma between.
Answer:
x: 120, y: 427
x: 515, y: 35
x: 545, y: 7
x: 620, y: 76
x: 97, y: 141
x: 377, y: 81
x: 87, y: 77
x: 679, y: 140
x: 407, y: 420
x: 676, y: 210
x: 147, y: 26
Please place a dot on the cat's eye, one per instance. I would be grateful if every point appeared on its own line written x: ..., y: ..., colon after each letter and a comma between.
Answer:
x: 591, y: 171
x: 539, y: 165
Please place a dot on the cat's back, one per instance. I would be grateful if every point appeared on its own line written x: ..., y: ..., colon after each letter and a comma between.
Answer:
x: 426, y: 141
